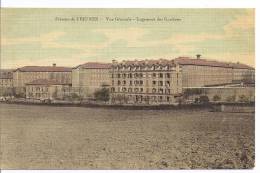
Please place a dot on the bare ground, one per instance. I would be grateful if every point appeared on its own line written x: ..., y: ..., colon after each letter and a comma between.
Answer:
x: 41, y: 137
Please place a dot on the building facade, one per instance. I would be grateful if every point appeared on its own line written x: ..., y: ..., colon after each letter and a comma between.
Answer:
x: 6, y: 82
x: 27, y: 74
x: 163, y: 81
x: 43, y: 89
x: 6, y: 78
x: 145, y: 82
x: 89, y: 77
x: 197, y: 72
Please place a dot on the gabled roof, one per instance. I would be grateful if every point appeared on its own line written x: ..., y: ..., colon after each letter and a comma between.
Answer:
x: 184, y: 61
x: 212, y: 63
x: 44, y: 69
x: 151, y: 62
x: 47, y: 82
x: 94, y: 65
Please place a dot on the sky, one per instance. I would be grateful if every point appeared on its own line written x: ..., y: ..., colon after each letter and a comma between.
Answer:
x: 46, y: 36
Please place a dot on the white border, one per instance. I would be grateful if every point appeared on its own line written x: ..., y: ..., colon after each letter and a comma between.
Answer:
x: 152, y: 4
x: 130, y: 3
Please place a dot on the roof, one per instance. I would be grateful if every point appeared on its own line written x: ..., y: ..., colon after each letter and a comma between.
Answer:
x: 147, y: 62
x: 6, y: 74
x: 47, y: 82
x: 213, y: 63
x: 185, y: 61
x: 94, y: 65
x: 44, y: 69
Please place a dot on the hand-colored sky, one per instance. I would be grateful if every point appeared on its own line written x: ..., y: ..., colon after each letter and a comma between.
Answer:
x: 34, y: 37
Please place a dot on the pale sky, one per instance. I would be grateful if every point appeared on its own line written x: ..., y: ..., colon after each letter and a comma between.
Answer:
x: 34, y: 37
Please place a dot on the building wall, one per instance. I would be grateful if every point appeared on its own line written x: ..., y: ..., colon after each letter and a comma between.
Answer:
x: 6, y: 83
x: 6, y: 87
x: 87, y: 81
x: 226, y: 93
x: 199, y: 76
x: 243, y: 74
x: 147, y: 85
x: 47, y: 91
x: 21, y: 78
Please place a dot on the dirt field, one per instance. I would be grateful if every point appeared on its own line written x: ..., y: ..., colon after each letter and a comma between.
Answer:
x: 41, y: 137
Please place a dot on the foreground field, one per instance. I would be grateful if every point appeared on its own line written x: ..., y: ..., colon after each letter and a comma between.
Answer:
x: 42, y: 137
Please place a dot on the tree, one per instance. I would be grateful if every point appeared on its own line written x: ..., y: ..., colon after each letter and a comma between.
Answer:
x: 216, y: 98
x: 192, y: 91
x: 231, y: 98
x: 243, y: 98
x: 55, y: 94
x: 204, y: 99
x: 102, y: 94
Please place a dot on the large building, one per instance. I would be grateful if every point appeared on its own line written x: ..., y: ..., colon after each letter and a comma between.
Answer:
x: 163, y: 81
x: 24, y: 75
x: 89, y: 77
x: 148, y: 82
x: 43, y: 89
x: 6, y: 81
x: 198, y: 72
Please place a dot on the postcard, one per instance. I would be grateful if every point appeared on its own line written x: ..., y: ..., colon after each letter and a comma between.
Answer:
x: 127, y: 88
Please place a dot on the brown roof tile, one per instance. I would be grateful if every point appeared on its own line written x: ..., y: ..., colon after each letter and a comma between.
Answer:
x: 95, y: 65
x: 204, y: 62
x: 186, y: 61
x: 44, y: 69
x: 147, y: 62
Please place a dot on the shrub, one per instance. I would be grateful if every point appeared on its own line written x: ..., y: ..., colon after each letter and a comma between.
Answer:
x: 231, y: 98
x: 192, y: 91
x: 243, y: 98
x: 102, y: 94
x: 204, y: 99
x: 216, y: 98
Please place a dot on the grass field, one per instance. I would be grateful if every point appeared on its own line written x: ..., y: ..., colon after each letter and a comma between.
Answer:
x: 42, y: 137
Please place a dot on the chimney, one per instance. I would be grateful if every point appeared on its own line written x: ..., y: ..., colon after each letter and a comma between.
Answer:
x: 114, y: 61
x: 198, y: 56
x: 54, y: 64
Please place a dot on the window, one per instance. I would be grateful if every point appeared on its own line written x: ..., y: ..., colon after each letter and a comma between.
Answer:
x: 161, y: 90
x: 124, y: 75
x: 118, y: 75
x: 124, y: 82
x: 160, y: 75
x: 130, y: 75
x: 129, y: 90
x: 168, y: 75
x: 154, y: 74
x: 141, y: 82
x: 131, y: 83
x: 167, y: 83
x: 124, y: 89
x: 141, y: 89
x: 154, y: 82
x: 119, y: 82
x: 154, y: 90
x: 167, y: 91
x: 136, y: 89
x: 160, y: 83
